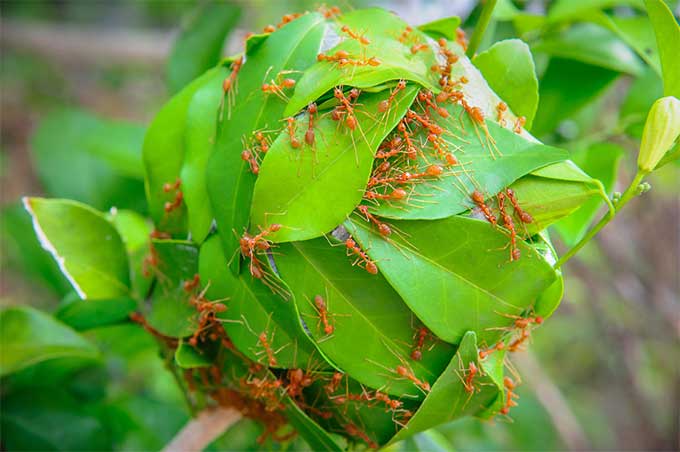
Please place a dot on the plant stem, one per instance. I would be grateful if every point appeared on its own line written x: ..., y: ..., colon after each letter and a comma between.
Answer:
x: 630, y: 192
x: 480, y: 28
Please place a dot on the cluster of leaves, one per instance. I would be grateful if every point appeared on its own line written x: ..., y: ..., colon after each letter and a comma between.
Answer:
x: 249, y: 332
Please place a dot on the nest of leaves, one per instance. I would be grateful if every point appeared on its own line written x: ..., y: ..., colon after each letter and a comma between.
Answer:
x: 365, y: 220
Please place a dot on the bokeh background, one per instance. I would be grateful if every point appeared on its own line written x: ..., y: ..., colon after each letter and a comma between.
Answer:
x: 603, y: 372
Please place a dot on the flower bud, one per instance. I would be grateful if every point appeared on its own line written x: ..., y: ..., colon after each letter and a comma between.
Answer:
x: 661, y: 130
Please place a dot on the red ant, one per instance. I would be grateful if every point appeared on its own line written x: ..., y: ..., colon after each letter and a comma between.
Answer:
x: 477, y: 116
x: 519, y: 123
x: 341, y: 57
x: 484, y: 353
x: 250, y: 244
x: 511, y: 395
x: 384, y: 105
x: 501, y: 108
x: 264, y: 342
x: 346, y: 104
x: 269, y: 29
x: 277, y: 89
x: 469, y: 378
x: 248, y: 156
x: 288, y: 18
x: 389, y: 148
x: 294, y: 142
x: 331, y: 12
x: 383, y: 228
x: 523, y: 216
x: 321, y: 308
x: 354, y: 431
x: 191, y: 285
x: 207, y: 313
x: 297, y: 381
x: 425, y: 122
x: 406, y: 34
x: 403, y: 371
x: 440, y: 150
x: 151, y: 260
x: 309, y: 135
x: 352, y: 34
x: 396, y: 194
x: 461, y: 39
x: 334, y: 384
x: 262, y: 141
x: 411, y: 150
x: 478, y: 199
x: 517, y: 343
x: 415, y: 48
x: 362, y: 258
x: 426, y: 97
x: 417, y: 352
x: 515, y: 253
x: 229, y: 85
x: 179, y: 196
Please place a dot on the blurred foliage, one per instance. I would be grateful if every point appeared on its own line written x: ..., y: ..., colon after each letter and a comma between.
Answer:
x: 611, y: 348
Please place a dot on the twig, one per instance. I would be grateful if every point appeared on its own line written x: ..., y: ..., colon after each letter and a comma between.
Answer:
x: 202, y: 430
x: 480, y: 28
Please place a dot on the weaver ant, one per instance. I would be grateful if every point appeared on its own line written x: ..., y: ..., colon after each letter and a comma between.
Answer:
x: 515, y: 253
x: 511, y: 395
x: 383, y: 228
x: 421, y: 335
x: 478, y: 199
x: 179, y: 196
x: 229, y: 87
x: 362, y: 258
x: 523, y: 216
x: 384, y: 105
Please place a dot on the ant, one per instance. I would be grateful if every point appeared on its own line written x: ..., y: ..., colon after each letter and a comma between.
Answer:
x: 523, y: 216
x: 461, y: 39
x: 384, y: 105
x: 309, y: 135
x: 425, y: 122
x: 415, y: 48
x: 322, y: 309
x: 421, y: 334
x: 519, y: 123
x: 469, y: 378
x: 331, y: 12
x: 406, y: 34
x: 277, y: 89
x: 500, y: 345
x: 179, y: 196
x: 411, y: 150
x: 426, y: 97
x: 354, y: 431
x: 389, y: 148
x: 346, y: 105
x: 383, y: 228
x: 250, y: 244
x: 247, y: 156
x: 397, y: 194
x: 477, y: 116
x: 501, y: 108
x: 334, y: 384
x: 288, y: 18
x: 192, y: 284
x: 266, y: 345
x: 515, y: 253
x: 263, y: 142
x: 151, y: 261
x: 229, y: 87
x: 352, y: 34
x: 478, y: 199
x: 362, y: 258
x: 294, y: 141
x: 297, y: 381
x: 511, y: 395
x: 403, y: 371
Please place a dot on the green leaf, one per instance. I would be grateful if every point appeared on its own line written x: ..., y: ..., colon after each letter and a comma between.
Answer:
x: 85, y: 314
x: 508, y: 68
x: 199, y: 45
x: 86, y: 246
x: 641, y: 96
x: 170, y: 311
x: 668, y: 40
x: 563, y: 10
x: 96, y: 161
x: 565, y: 88
x: 252, y: 309
x: 324, y: 184
x: 316, y: 437
x: 200, y: 135
x: 594, y: 45
x: 29, y: 337
x: 290, y: 48
x: 22, y: 250
x: 448, y: 399
x: 163, y: 153
x: 396, y: 59
x: 479, y: 170
x: 600, y: 161
x: 187, y: 357
x: 50, y: 419
x: 441, y: 28
x: 427, y: 441
x: 363, y: 309
x: 455, y: 273
x: 134, y: 230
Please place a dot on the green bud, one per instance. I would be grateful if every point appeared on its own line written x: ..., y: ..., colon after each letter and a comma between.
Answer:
x: 661, y: 130
x: 644, y: 187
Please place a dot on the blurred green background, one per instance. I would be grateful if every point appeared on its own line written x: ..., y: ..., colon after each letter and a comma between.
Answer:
x: 603, y: 373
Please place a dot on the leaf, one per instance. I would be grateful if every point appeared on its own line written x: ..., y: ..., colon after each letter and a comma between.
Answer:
x: 134, y: 230
x: 565, y: 88
x: 88, y: 249
x: 461, y: 267
x: 317, y: 438
x: 200, y: 135
x: 667, y: 33
x: 324, y: 184
x: 642, y: 94
x: 85, y: 314
x: 199, y: 45
x: 83, y: 157
x: 50, y: 419
x: 29, y: 337
x: 448, y: 399
x: 441, y: 28
x: 396, y: 59
x: 563, y: 10
x: 363, y: 309
x: 163, y: 154
x: 187, y: 357
x: 170, y: 312
x: 290, y: 48
x: 427, y: 441
x: 509, y: 69
x: 479, y: 170
x: 600, y: 161
x: 594, y: 45
x: 22, y: 251
x: 252, y: 309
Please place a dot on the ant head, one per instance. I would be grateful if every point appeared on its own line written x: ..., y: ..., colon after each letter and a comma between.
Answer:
x: 275, y: 227
x: 539, y: 320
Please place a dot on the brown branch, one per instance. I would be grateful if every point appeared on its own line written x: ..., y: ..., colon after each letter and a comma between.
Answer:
x: 203, y: 430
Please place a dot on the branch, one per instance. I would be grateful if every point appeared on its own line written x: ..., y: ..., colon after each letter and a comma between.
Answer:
x: 203, y: 429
